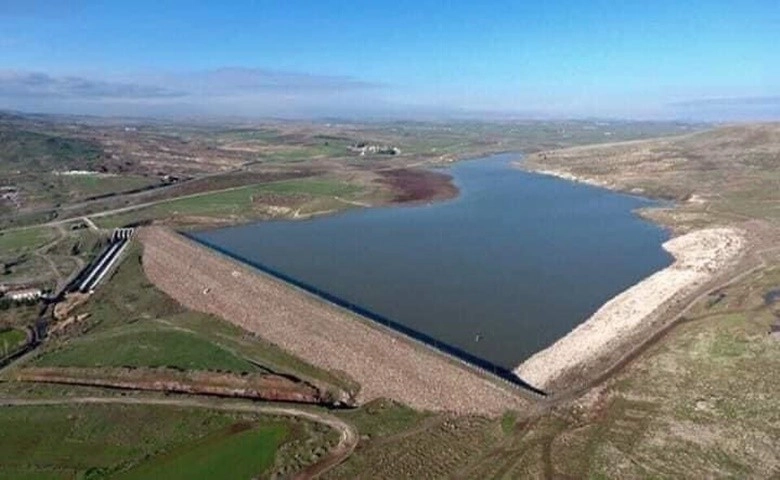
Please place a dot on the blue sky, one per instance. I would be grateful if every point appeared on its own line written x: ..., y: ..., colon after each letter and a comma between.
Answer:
x: 711, y: 60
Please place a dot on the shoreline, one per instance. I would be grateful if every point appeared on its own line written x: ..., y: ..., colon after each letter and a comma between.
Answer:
x: 700, y: 256
x: 572, y: 177
x: 593, y: 182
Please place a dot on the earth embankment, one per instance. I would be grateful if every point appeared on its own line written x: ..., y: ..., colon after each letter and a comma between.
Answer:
x: 384, y: 363
x: 252, y: 386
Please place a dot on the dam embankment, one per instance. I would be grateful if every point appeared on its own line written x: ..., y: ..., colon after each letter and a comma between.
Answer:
x: 386, y: 364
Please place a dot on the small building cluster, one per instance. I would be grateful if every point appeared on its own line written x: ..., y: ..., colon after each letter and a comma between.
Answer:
x: 364, y: 148
x: 21, y: 295
x: 10, y: 194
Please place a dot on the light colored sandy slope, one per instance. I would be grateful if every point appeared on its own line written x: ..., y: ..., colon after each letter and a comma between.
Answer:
x: 384, y: 363
x: 572, y: 177
x: 698, y: 257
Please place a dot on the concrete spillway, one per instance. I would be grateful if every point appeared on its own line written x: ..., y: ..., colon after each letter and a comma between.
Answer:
x: 95, y: 272
x: 111, y: 259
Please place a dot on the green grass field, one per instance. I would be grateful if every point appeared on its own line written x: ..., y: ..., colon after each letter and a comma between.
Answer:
x: 236, y: 203
x: 80, y: 186
x: 147, y: 344
x: 99, y: 441
x: 306, y: 186
x: 10, y: 340
x: 224, y: 455
x: 24, y: 240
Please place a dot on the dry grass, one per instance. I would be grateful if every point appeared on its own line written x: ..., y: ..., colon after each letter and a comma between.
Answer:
x: 701, y: 404
x: 439, y: 449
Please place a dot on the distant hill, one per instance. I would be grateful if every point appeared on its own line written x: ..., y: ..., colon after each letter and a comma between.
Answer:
x: 31, y: 151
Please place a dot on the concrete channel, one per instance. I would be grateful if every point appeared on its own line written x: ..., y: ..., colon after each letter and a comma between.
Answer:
x: 94, y: 273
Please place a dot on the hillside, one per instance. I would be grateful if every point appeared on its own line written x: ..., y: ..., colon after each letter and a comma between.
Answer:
x: 722, y: 174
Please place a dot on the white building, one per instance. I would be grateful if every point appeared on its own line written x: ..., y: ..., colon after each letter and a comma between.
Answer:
x: 26, y: 294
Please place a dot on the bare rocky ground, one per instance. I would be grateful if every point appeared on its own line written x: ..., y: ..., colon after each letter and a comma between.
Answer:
x: 384, y: 364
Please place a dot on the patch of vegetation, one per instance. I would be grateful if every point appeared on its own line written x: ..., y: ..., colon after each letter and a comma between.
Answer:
x: 307, y: 186
x: 147, y: 345
x: 82, y: 243
x: 381, y: 418
x: 11, y: 337
x: 17, y: 315
x: 441, y: 448
x: 508, y: 422
x: 97, y: 441
x: 253, y: 348
x: 20, y: 262
x: 11, y: 218
x: 75, y: 187
x: 227, y: 454
x: 27, y: 269
x: 24, y: 240
x: 307, y: 443
x: 34, y: 151
x: 10, y: 340
x: 12, y: 389
x: 707, y: 402
x: 236, y: 203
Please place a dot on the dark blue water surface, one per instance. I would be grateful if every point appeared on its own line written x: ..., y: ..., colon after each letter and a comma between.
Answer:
x: 502, y: 271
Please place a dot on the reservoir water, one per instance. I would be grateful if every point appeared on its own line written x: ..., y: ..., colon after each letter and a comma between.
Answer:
x: 513, y: 263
